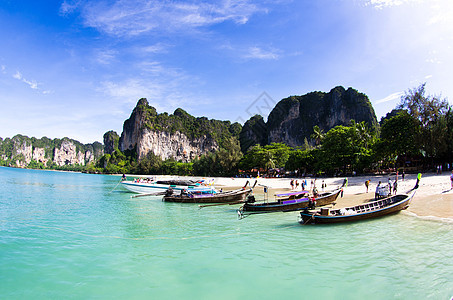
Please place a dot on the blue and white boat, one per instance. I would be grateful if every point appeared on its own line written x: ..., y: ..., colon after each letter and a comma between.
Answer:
x: 157, y: 187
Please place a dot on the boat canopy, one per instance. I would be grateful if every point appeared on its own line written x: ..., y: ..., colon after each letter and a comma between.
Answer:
x: 291, y: 194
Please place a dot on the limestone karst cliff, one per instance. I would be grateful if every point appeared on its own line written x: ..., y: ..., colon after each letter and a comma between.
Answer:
x: 293, y: 118
x: 20, y: 150
x: 179, y: 136
x: 253, y: 132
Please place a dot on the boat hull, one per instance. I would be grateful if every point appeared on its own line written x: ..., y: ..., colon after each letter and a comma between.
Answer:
x: 288, y: 205
x: 150, y: 188
x: 223, y: 197
x: 364, y: 211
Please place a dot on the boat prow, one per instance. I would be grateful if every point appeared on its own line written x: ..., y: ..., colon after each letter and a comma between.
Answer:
x: 373, y: 209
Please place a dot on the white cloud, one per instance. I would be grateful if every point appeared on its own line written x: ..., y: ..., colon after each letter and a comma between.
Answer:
x: 258, y: 53
x: 391, y: 97
x: 105, y: 57
x: 32, y: 83
x: 164, y: 87
x: 68, y: 7
x: 157, y: 48
x: 134, y: 17
x: 379, y: 4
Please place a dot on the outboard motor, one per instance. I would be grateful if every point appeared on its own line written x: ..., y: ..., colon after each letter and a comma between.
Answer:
x: 169, y: 192
x: 250, y: 199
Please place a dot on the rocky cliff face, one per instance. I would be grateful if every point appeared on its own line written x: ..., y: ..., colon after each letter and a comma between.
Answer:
x: 253, y: 132
x: 173, y: 145
x: 133, y: 127
x: 67, y: 154
x: 111, y: 140
x: 146, y: 131
x: 292, y: 119
x: 21, y: 150
x: 39, y: 155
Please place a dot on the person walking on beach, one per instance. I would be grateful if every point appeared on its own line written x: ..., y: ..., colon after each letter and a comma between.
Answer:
x: 367, y: 185
x: 395, y: 186
x: 419, y: 176
x: 292, y: 184
x: 451, y: 179
x: 297, y: 185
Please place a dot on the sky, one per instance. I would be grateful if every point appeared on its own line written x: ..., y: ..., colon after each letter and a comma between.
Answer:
x: 76, y: 68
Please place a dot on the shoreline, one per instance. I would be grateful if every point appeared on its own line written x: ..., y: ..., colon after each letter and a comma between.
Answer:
x: 433, y: 200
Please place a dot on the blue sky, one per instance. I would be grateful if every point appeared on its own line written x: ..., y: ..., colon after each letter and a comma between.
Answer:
x: 77, y: 68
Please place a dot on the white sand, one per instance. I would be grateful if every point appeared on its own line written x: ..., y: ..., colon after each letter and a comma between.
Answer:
x: 433, y: 200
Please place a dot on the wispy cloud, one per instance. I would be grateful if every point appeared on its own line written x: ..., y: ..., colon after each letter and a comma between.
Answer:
x: 164, y: 87
x: 3, y: 68
x: 156, y: 48
x: 32, y: 83
x: 380, y: 4
x: 69, y: 6
x: 390, y: 97
x: 134, y: 17
x: 259, y: 53
x: 105, y: 57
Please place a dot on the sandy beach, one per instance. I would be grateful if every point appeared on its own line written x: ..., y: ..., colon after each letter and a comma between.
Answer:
x: 433, y: 200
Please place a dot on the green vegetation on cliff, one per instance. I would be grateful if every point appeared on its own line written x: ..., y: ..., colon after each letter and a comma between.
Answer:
x: 22, y: 151
x: 183, y: 122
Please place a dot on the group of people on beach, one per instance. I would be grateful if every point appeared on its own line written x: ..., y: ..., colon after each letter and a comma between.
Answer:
x: 304, y: 185
x: 392, y: 187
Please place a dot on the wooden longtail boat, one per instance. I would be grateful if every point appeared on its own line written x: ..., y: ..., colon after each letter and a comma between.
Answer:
x: 235, y: 196
x: 292, y: 202
x: 363, y: 211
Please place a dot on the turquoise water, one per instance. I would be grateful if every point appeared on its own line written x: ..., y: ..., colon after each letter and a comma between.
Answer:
x: 65, y: 235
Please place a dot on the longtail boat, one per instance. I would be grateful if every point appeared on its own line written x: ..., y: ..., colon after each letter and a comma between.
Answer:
x: 235, y: 196
x: 289, y: 204
x: 292, y: 201
x: 363, y: 211
x: 156, y: 187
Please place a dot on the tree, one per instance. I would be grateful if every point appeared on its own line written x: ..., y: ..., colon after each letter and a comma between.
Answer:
x: 426, y: 108
x: 317, y: 135
x: 398, y: 137
x: 430, y: 111
x: 337, y: 148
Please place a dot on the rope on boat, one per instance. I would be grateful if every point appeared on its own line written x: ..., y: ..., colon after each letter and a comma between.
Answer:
x: 116, y: 186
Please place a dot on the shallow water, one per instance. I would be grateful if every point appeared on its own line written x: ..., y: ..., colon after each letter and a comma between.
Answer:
x: 68, y: 235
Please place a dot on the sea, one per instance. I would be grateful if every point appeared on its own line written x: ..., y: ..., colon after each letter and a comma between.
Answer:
x: 79, y: 236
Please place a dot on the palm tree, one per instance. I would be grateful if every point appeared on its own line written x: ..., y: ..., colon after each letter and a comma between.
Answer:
x: 317, y: 135
x: 269, y: 160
